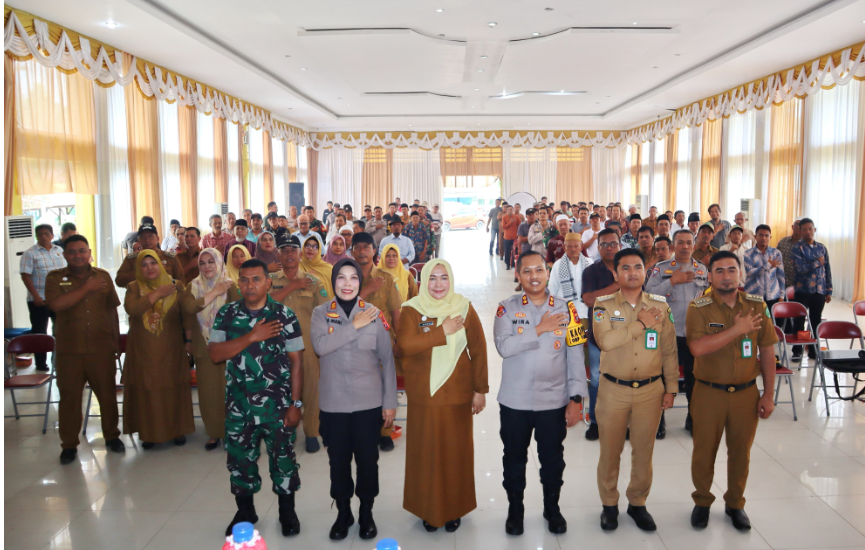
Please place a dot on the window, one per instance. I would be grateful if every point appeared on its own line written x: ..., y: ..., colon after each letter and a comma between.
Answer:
x: 656, y: 188
x: 169, y: 163
x: 235, y: 187
x: 739, y: 161
x: 280, y: 175
x: 206, y: 191
x: 256, y: 170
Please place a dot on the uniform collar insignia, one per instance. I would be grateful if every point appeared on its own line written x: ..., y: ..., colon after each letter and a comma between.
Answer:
x: 361, y: 304
x: 525, y: 300
x: 673, y: 263
x: 333, y: 304
x: 552, y: 301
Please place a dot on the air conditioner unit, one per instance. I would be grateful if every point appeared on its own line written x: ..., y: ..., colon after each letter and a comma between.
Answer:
x: 643, y: 205
x: 752, y: 208
x: 18, y: 237
x: 221, y: 208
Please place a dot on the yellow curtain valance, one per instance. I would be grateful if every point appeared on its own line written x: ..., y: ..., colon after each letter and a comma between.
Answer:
x: 456, y: 140
x: 28, y: 37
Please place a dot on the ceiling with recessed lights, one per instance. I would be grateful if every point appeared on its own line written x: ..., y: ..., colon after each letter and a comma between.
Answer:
x: 344, y: 65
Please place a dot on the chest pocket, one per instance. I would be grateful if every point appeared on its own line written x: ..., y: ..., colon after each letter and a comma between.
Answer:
x: 367, y: 338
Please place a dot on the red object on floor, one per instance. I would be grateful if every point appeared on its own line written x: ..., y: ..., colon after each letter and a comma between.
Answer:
x: 397, y: 432
x: 23, y: 362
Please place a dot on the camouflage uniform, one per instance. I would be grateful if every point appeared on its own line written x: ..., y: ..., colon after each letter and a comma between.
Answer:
x: 257, y: 396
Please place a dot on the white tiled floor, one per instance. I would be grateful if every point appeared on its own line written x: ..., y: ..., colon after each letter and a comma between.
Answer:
x: 806, y: 488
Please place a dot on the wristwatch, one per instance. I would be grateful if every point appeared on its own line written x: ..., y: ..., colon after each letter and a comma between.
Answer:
x: 297, y: 403
x: 577, y: 398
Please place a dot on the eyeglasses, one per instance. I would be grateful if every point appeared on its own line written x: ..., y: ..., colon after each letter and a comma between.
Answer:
x: 609, y: 245
x: 312, y: 246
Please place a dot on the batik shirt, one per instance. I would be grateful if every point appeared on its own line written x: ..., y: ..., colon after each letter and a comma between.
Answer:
x: 419, y: 236
x: 761, y: 278
x: 811, y: 277
x: 785, y: 247
x: 258, y: 379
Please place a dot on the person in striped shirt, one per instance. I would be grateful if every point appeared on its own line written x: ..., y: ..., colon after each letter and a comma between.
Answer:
x: 764, y: 268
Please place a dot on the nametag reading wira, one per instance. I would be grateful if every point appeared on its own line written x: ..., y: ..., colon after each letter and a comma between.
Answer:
x: 651, y: 339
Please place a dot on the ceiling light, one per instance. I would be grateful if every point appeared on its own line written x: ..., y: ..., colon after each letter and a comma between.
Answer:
x: 654, y: 67
x: 409, y: 125
x: 473, y: 106
x: 480, y: 70
x: 477, y: 89
x: 287, y: 56
x: 634, y: 23
x: 348, y: 104
x: 441, y: 35
x: 597, y: 102
x: 303, y: 68
x: 492, y: 23
x: 438, y: 10
x: 483, y: 57
x: 678, y: 54
x: 111, y: 24
x: 548, y: 9
x: 536, y: 34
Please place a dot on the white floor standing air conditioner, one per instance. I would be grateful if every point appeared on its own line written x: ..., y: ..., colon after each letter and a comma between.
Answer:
x: 18, y: 237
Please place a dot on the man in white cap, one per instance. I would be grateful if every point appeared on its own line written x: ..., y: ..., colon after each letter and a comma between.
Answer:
x: 632, y: 209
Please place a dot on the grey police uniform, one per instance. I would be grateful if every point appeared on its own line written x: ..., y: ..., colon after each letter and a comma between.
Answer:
x: 540, y: 374
x: 358, y: 380
x: 679, y: 297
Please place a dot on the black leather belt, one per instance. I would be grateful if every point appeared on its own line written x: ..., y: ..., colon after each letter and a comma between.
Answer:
x: 729, y: 388
x: 632, y: 383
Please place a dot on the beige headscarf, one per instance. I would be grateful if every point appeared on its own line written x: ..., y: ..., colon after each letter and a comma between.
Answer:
x: 444, y: 358
x: 201, y: 286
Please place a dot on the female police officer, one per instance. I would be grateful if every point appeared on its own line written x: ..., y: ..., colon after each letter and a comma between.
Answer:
x: 357, y: 393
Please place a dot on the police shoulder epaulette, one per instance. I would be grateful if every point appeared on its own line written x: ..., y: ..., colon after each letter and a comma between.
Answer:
x: 658, y: 298
x: 702, y: 301
x: 753, y: 297
x: 604, y: 298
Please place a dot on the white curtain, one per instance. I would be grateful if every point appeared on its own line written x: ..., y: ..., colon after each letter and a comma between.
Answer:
x: 256, y: 171
x: 340, y: 175
x: 280, y: 174
x: 739, y: 169
x: 113, y: 203
x: 657, y: 184
x: 235, y: 186
x: 529, y: 170
x: 834, y: 122
x: 206, y: 190
x: 646, y: 162
x: 302, y: 173
x: 610, y: 179
x: 169, y: 164
x: 417, y: 173
x: 688, y: 176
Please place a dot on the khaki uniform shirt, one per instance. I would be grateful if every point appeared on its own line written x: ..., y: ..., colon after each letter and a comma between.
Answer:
x: 710, y: 315
x: 302, y: 302
x: 386, y: 298
x: 88, y: 326
x: 703, y: 256
x: 126, y: 273
x: 625, y: 352
x: 184, y: 258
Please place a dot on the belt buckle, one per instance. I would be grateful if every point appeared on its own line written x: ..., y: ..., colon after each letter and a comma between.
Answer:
x: 731, y: 389
x: 635, y: 385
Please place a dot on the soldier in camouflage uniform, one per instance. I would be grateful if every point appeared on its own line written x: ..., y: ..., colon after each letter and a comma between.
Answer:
x: 260, y: 340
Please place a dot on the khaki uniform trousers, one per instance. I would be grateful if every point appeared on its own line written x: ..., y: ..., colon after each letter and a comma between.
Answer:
x: 713, y: 411
x: 311, y: 374
x: 74, y: 370
x: 618, y: 406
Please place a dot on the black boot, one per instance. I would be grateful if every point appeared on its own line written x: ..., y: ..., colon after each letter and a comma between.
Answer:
x: 287, y: 516
x: 610, y: 518
x: 367, y: 526
x: 555, y: 521
x: 245, y: 512
x: 516, y: 511
x: 344, y: 520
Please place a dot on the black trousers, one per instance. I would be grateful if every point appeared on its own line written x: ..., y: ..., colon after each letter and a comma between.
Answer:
x: 687, y: 362
x: 508, y: 252
x: 39, y: 316
x: 516, y: 432
x: 815, y: 304
x: 494, y: 239
x: 356, y: 433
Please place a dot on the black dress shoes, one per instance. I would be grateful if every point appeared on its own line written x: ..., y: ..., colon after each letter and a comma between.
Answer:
x: 610, y: 518
x: 592, y: 432
x: 739, y: 517
x: 642, y: 518
x: 385, y: 443
x: 68, y: 455
x: 453, y: 525
x: 700, y: 516
x: 429, y: 528
x: 210, y: 446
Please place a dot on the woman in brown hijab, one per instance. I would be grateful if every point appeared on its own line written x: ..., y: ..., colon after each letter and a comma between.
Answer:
x: 157, y: 398
x: 444, y: 353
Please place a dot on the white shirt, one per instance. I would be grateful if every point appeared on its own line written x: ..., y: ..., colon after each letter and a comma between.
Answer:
x: 740, y: 252
x: 406, y: 247
x: 592, y: 251
x: 675, y: 227
x: 169, y: 244
x: 437, y: 218
x: 555, y: 286
x: 38, y: 263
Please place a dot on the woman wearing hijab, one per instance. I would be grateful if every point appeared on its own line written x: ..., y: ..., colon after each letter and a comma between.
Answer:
x: 237, y: 254
x: 336, y: 250
x: 444, y: 353
x: 211, y: 290
x: 312, y: 262
x: 265, y: 250
x: 357, y: 393
x: 391, y: 264
x: 157, y: 398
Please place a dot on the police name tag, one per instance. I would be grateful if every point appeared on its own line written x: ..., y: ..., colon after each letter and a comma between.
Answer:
x: 747, y: 348
x: 651, y: 339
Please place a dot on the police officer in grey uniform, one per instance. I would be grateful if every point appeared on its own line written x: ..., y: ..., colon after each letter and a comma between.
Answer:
x: 357, y: 393
x: 680, y: 280
x: 543, y: 384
